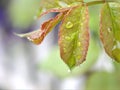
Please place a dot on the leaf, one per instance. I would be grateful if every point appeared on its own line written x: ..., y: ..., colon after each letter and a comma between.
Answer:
x: 56, y: 6
x: 37, y: 36
x: 74, y: 36
x: 110, y: 29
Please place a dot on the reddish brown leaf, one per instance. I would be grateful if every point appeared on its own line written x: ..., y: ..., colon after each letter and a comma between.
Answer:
x: 37, y: 36
x: 74, y: 36
x: 110, y: 29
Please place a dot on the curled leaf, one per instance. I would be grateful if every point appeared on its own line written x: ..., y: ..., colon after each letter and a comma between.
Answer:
x: 110, y: 29
x: 74, y: 36
x: 37, y: 36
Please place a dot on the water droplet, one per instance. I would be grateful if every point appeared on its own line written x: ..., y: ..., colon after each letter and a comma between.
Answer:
x: 29, y: 39
x: 79, y: 44
x: 83, y: 18
x: 62, y: 4
x: 69, y: 25
x: 67, y: 38
x: 69, y: 70
x: 118, y: 44
x: 114, y: 47
x: 78, y: 57
x: 81, y: 24
x: 109, y: 30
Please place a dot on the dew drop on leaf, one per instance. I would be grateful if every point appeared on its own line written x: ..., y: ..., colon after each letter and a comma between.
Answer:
x: 114, y: 47
x: 109, y: 30
x: 79, y: 44
x: 69, y: 25
x: 81, y: 24
x: 62, y: 4
x: 69, y: 70
x: 83, y: 18
x: 29, y: 39
x: 118, y: 44
x: 79, y: 56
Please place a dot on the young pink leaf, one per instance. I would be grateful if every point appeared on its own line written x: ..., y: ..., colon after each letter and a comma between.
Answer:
x: 74, y: 36
x: 110, y: 29
x: 37, y: 36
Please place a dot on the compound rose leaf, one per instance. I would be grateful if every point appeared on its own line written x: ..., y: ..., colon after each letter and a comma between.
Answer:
x: 110, y: 29
x: 74, y: 36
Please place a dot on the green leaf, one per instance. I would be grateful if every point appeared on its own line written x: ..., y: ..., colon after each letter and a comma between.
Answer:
x: 37, y: 36
x: 110, y: 29
x: 56, y: 5
x: 74, y: 36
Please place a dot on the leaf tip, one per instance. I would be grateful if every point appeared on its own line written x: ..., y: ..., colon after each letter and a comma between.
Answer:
x: 19, y: 35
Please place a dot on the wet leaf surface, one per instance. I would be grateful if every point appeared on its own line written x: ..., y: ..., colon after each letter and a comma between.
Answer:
x: 37, y: 36
x: 74, y: 36
x: 110, y: 29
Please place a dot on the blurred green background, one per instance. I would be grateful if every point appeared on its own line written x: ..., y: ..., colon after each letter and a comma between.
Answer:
x: 27, y: 66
